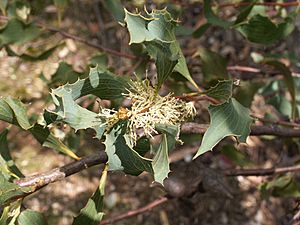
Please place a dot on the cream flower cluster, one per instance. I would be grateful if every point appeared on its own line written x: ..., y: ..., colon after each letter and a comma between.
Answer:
x: 148, y: 109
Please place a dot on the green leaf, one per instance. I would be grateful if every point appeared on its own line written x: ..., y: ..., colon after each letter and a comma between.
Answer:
x: 100, y: 60
x: 289, y: 81
x: 10, y: 191
x: 244, y: 14
x: 201, y: 30
x: 31, y: 217
x: 235, y: 155
x: 121, y: 156
x: 16, y: 32
x: 7, y: 166
x: 212, y: 18
x: 92, y: 213
x: 228, y: 119
x: 14, y: 112
x: 165, y: 62
x: 3, y: 5
x: 157, y: 30
x: 64, y: 74
x: 246, y: 91
x: 45, y: 54
x: 160, y: 162
x: 284, y: 186
x: 214, y: 66
x: 222, y: 91
x: 47, y: 139
x: 115, y: 7
x: 100, y: 83
x: 172, y: 132
x: 262, y: 30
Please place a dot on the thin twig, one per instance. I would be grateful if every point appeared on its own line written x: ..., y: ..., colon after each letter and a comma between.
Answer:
x: 132, y: 213
x: 80, y: 39
x: 261, y: 172
x: 256, y: 130
x: 272, y: 4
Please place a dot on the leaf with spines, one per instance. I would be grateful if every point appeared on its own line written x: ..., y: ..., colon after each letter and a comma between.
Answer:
x: 160, y: 164
x: 121, y: 156
x: 262, y: 30
x: 222, y: 91
x: 100, y: 83
x: 156, y: 31
x: 228, y: 119
x: 7, y: 167
x: 92, y: 213
x: 14, y: 112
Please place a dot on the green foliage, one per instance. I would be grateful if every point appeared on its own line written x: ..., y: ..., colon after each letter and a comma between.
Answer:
x: 262, y: 30
x: 14, y: 112
x: 214, y: 66
x: 228, y: 119
x: 92, y: 213
x: 16, y: 32
x: 222, y: 91
x: 283, y: 186
x: 31, y: 217
x: 156, y: 31
x: 153, y: 34
x: 121, y: 156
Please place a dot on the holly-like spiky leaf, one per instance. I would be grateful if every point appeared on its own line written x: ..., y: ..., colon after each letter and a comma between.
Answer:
x: 14, y: 112
x: 228, y: 119
x: 121, y: 156
x: 222, y: 91
x: 157, y: 32
x: 92, y: 213
x: 100, y: 83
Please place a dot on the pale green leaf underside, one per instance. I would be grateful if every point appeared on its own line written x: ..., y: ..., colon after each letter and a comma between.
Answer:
x: 158, y: 26
x: 222, y: 91
x: 160, y: 162
x: 228, y: 119
x: 31, y: 217
x: 14, y: 112
x: 121, y: 156
x: 92, y: 213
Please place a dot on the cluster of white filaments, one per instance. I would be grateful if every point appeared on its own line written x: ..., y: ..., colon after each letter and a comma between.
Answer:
x: 148, y: 109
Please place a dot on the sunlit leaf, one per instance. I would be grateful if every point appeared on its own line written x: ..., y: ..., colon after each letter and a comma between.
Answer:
x: 228, y: 119
x: 16, y: 32
x: 14, y: 112
x: 31, y: 217
x: 10, y: 191
x: 222, y: 91
x: 121, y: 156
x: 160, y: 162
x: 157, y: 29
x: 7, y: 166
x: 92, y: 213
